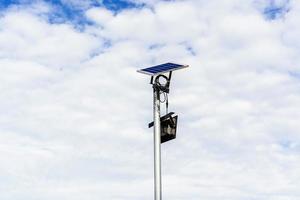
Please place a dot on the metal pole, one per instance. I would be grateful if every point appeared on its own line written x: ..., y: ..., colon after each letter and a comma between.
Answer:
x: 157, y: 159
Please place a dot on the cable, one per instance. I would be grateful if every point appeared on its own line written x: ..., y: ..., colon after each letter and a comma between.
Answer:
x: 166, y: 100
x: 167, y: 104
x: 165, y: 96
x: 162, y: 89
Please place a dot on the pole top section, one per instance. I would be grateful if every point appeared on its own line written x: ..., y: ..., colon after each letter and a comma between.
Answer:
x: 160, y: 69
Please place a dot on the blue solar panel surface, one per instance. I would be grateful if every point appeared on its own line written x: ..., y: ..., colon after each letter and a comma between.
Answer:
x: 162, y: 68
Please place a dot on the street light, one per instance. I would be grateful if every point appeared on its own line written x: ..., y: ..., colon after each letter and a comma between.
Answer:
x: 165, y: 126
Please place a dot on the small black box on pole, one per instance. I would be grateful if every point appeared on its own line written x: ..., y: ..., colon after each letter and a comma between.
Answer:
x: 168, y: 125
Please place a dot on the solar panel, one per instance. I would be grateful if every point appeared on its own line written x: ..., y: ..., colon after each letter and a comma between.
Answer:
x: 163, y: 68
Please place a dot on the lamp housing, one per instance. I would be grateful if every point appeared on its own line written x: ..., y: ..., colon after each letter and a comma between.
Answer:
x: 168, y: 125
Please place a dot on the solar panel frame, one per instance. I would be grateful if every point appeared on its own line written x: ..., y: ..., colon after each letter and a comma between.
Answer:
x: 162, y: 68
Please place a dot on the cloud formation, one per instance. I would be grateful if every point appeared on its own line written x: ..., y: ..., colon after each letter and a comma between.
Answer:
x: 74, y: 112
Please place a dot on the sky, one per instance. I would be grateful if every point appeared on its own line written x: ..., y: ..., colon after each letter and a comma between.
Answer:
x: 74, y: 111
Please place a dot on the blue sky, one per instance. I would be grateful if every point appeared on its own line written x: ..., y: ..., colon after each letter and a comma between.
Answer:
x: 115, y: 5
x: 74, y: 111
x: 74, y: 12
x: 276, y: 10
x: 272, y: 9
x: 66, y: 10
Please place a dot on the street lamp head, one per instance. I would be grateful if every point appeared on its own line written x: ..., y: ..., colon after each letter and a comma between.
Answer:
x: 168, y: 125
x: 168, y: 129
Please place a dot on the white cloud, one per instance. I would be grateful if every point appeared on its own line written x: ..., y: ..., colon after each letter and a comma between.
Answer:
x: 25, y: 36
x: 74, y: 111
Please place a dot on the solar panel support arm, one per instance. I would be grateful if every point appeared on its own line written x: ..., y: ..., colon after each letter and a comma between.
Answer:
x: 151, y: 80
x: 169, y: 79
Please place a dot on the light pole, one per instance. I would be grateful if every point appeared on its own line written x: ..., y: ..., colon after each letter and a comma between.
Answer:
x: 157, y: 152
x: 164, y: 127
